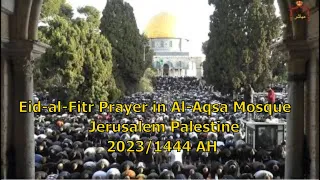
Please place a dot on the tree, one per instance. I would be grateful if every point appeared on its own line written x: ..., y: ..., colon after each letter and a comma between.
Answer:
x: 51, y: 8
x: 237, y: 52
x: 92, y: 14
x: 148, y: 53
x: 279, y: 59
x: 222, y: 48
x: 146, y: 82
x: 118, y: 24
x: 79, y: 64
x: 263, y: 27
x: 66, y: 11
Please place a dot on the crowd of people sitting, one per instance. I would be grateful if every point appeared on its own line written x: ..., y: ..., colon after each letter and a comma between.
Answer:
x: 66, y: 150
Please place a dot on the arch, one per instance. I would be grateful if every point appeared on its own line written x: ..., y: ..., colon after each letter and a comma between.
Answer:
x: 21, y: 49
x: 295, y: 40
x: 166, y: 69
x: 170, y: 64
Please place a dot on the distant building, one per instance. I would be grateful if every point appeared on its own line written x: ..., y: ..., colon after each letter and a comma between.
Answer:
x: 170, y: 58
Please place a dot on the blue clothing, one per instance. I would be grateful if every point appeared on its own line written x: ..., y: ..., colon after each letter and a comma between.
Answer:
x: 38, y: 158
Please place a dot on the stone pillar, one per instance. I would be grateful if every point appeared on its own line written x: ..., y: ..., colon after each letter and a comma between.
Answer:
x: 313, y: 113
x: 5, y: 110
x: 295, y: 124
x: 22, y: 54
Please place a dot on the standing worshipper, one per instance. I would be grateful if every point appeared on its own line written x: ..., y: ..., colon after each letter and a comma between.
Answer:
x: 248, y: 98
x: 271, y: 99
x: 200, y: 84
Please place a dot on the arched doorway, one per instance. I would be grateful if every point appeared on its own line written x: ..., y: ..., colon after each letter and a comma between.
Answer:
x: 166, y: 70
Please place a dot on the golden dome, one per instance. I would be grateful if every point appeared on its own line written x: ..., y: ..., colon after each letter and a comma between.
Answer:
x: 162, y: 25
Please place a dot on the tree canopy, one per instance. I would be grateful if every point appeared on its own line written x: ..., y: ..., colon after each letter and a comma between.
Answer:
x: 118, y: 24
x: 51, y: 8
x: 237, y: 52
x: 79, y: 64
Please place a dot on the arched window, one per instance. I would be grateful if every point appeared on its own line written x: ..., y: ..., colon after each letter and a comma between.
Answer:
x: 162, y: 44
x: 170, y: 44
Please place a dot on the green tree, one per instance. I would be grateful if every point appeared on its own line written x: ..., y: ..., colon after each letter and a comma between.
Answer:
x: 237, y: 52
x: 92, y: 14
x: 222, y: 51
x: 146, y: 82
x: 119, y: 25
x: 148, y: 53
x: 51, y: 8
x: 66, y: 11
x: 279, y: 59
x: 263, y: 27
x: 79, y: 64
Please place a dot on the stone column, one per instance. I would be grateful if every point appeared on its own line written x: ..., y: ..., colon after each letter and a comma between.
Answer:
x: 5, y: 105
x: 22, y: 54
x: 295, y: 125
x: 313, y: 113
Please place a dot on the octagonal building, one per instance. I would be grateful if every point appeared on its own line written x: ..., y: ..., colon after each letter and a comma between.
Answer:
x: 171, y: 57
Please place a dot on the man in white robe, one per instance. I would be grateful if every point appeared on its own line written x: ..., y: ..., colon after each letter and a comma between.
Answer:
x: 175, y: 156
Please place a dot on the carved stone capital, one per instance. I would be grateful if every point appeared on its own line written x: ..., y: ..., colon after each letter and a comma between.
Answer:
x: 23, y: 53
x: 300, y: 52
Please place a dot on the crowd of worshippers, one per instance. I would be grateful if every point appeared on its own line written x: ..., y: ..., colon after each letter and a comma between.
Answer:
x: 64, y: 149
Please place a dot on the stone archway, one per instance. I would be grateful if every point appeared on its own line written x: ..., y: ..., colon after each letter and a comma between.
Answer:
x: 166, y: 69
x: 301, y: 39
x: 19, y: 50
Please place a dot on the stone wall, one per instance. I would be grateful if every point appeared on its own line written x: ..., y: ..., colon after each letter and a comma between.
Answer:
x: 313, y: 25
x: 4, y: 25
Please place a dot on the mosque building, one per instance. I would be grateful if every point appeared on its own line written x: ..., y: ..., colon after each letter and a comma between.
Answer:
x: 171, y: 56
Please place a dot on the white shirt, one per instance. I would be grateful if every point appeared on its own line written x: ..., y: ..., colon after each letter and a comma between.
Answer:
x: 175, y: 156
x: 262, y: 173
x: 220, y: 143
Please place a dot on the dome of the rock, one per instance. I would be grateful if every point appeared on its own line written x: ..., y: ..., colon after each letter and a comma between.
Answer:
x: 163, y: 25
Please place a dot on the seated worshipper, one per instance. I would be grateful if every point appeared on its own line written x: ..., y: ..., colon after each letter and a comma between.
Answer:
x: 113, y: 173
x: 263, y: 174
x: 175, y: 156
x: 99, y: 175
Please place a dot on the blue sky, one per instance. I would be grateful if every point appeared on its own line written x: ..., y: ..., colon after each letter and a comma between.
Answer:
x: 192, y: 16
